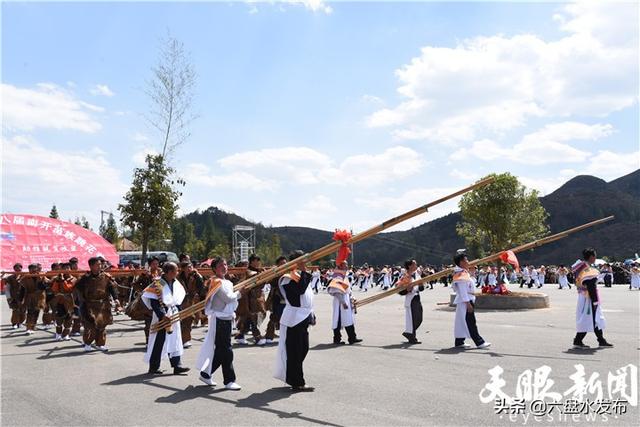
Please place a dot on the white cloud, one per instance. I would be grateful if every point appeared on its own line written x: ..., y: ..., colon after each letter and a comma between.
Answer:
x: 372, y: 99
x: 466, y: 176
x: 139, y: 157
x: 306, y: 166
x: 200, y: 174
x: 46, y: 106
x: 374, y: 169
x: 544, y: 146
x: 544, y: 185
x: 567, y: 131
x: 313, y: 5
x: 609, y: 165
x: 485, y: 86
x: 541, y: 153
x: 316, y: 6
x: 389, y: 206
x: 317, y: 211
x: 101, y: 90
x: 80, y: 182
x: 613, y: 26
x: 139, y: 137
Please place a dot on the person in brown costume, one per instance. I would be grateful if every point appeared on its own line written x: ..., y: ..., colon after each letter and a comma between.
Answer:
x: 94, y: 289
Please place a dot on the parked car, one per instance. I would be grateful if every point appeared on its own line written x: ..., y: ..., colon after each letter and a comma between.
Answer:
x: 135, y: 257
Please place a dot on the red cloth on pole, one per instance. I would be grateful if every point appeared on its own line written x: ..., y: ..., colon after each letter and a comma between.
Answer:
x: 510, y: 258
x: 343, y: 253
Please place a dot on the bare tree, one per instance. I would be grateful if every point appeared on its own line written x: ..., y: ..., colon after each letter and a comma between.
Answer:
x: 171, y: 92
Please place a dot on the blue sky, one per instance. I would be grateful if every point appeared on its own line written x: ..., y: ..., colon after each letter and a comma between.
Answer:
x: 318, y: 114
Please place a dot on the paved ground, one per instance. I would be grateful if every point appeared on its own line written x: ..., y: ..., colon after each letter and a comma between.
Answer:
x: 380, y: 382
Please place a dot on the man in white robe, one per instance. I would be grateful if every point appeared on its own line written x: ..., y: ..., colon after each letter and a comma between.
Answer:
x: 535, y: 277
x: 563, y: 281
x: 386, y: 279
x: 343, y: 314
x: 164, y: 297
x: 589, y: 317
x: 220, y: 307
x: 464, y: 287
x: 526, y: 277
x: 293, y: 345
x: 542, y: 273
x: 315, y: 279
x: 412, y: 304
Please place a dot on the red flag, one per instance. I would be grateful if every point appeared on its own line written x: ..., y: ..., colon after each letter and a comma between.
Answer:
x: 510, y: 258
x: 343, y: 253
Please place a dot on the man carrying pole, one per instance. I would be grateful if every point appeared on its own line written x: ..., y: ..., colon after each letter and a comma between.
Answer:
x: 294, y: 323
x: 465, y: 323
x: 589, y: 317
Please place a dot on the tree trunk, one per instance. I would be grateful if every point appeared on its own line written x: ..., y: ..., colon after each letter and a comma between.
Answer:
x: 145, y: 245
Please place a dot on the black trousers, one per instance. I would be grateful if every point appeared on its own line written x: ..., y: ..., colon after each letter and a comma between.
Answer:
x: 470, y: 319
x: 580, y: 335
x: 607, y: 280
x: 416, y: 314
x: 297, y: 346
x: 223, y: 355
x: 156, y: 353
x: 351, y: 330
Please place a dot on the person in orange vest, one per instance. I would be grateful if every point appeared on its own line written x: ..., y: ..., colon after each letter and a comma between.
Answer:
x: 62, y: 302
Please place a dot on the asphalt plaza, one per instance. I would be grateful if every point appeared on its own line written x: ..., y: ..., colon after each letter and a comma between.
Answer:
x: 381, y: 381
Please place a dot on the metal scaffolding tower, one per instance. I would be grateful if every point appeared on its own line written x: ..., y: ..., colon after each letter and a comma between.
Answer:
x: 244, y: 242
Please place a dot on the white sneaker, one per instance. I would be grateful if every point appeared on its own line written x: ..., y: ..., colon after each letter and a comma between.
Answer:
x: 187, y: 344
x: 241, y: 341
x: 464, y: 346
x: 14, y: 326
x: 207, y: 381
x: 76, y: 334
x: 58, y: 337
x: 485, y: 345
x: 87, y: 347
x: 261, y: 342
x: 67, y: 338
x: 232, y: 386
x: 269, y: 341
x: 30, y: 332
x: 103, y: 348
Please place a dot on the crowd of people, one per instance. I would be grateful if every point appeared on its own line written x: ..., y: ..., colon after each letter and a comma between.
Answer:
x: 87, y: 302
x: 492, y: 277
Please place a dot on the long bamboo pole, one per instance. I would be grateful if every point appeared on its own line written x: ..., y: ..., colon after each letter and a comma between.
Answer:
x: 116, y: 272
x: 72, y: 273
x: 489, y: 258
x: 320, y: 253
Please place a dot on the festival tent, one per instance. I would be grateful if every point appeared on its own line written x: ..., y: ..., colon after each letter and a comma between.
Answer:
x: 31, y: 239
